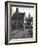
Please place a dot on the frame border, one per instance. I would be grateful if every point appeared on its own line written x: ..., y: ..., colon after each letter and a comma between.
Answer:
x: 6, y: 31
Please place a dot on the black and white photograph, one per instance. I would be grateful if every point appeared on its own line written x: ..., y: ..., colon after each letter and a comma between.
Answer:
x: 20, y: 22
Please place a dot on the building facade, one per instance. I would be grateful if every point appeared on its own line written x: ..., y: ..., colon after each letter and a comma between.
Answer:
x: 17, y: 20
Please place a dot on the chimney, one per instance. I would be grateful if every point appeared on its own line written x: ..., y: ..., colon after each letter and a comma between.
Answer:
x: 16, y: 9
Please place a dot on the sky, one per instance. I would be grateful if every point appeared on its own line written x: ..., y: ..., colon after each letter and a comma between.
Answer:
x: 24, y: 9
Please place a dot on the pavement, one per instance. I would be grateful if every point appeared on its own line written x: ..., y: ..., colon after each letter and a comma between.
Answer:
x: 20, y: 33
